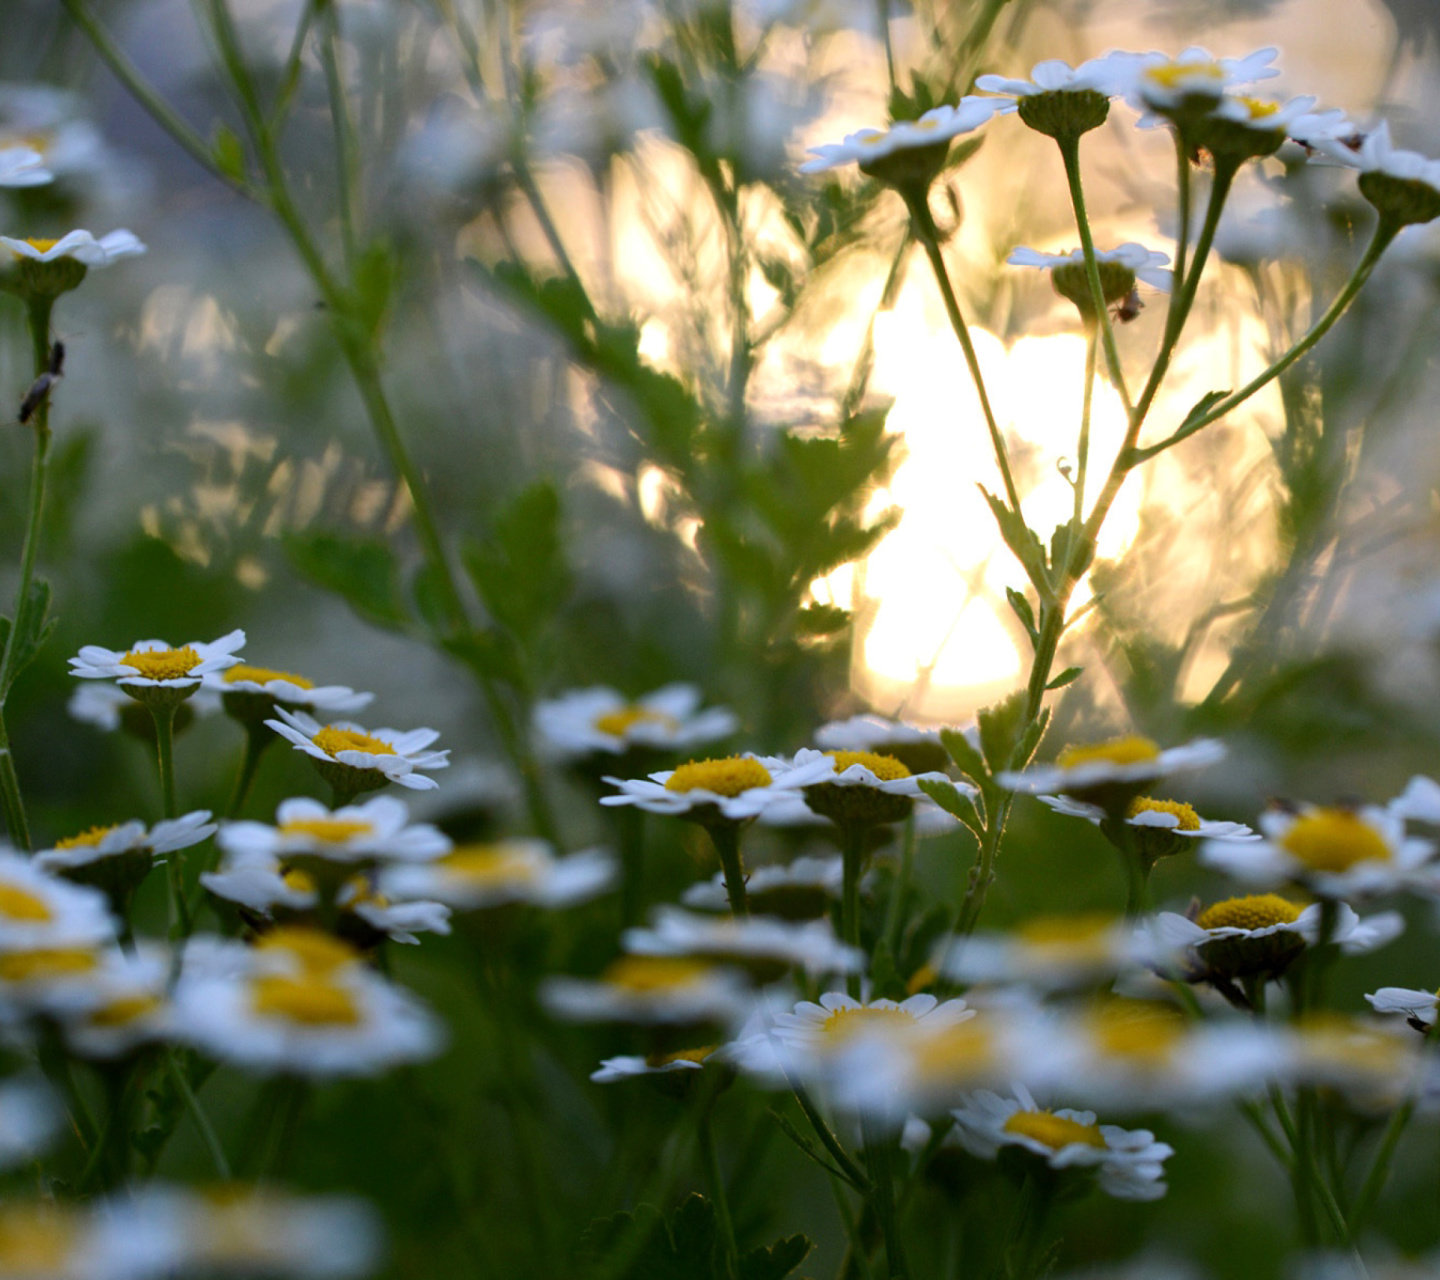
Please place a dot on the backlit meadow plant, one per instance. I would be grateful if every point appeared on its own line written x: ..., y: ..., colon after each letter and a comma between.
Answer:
x: 669, y: 959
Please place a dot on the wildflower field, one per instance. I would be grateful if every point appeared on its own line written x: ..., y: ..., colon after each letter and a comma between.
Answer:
x: 719, y: 639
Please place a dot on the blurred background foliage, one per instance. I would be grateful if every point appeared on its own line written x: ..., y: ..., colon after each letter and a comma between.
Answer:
x: 663, y: 393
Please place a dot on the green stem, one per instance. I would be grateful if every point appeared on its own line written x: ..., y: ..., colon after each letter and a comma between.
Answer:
x: 1070, y: 153
x: 630, y: 836
x: 828, y: 1140
x: 346, y: 163
x: 716, y: 1177
x: 164, y: 717
x: 1082, y: 451
x: 929, y: 236
x: 197, y: 1115
x: 895, y: 914
x: 114, y: 1139
x: 257, y: 738
x: 725, y: 836
x: 880, y: 1152
x: 290, y: 1105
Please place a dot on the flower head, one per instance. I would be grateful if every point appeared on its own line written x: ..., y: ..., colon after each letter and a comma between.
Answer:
x: 354, y: 760
x: 1118, y: 269
x: 652, y: 989
x: 377, y: 830
x: 919, y: 749
x: 908, y: 153
x: 733, y: 789
x: 1050, y: 952
x: 153, y: 672
x: 476, y: 876
x: 1195, y: 80
x: 250, y: 693
x: 1129, y: 1164
x: 766, y: 946
x: 48, y: 268
x: 1106, y: 772
x: 1063, y: 101
x: 23, y: 166
x: 584, y: 722
x: 864, y: 787
x: 1402, y: 185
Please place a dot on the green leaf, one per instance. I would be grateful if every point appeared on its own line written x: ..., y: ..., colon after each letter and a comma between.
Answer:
x: 1000, y: 730
x: 1065, y: 677
x: 361, y: 571
x: 374, y: 282
x: 885, y: 980
x: 35, y: 627
x: 1031, y: 741
x: 520, y: 571
x: 228, y: 152
x: 954, y: 801
x: 1025, y: 613
x: 1019, y: 537
x: 644, y: 1246
x: 1200, y: 408
x: 967, y: 759
x: 776, y: 1262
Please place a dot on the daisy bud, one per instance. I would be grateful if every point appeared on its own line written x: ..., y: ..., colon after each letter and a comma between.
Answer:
x: 1064, y: 114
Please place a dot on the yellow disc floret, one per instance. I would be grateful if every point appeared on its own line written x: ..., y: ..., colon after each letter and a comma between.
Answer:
x: 263, y: 675
x: 1259, y: 911
x: 1054, y: 1131
x: 680, y: 1055
x: 1334, y: 840
x: 312, y: 950
x: 843, y: 1023
x: 727, y: 777
x: 46, y: 962
x: 35, y: 1240
x: 489, y: 864
x: 327, y: 830
x: 310, y: 1000
x: 332, y: 741
x: 886, y: 768
x: 617, y: 723
x: 87, y: 839
x: 40, y: 244
x: 1260, y: 108
x: 20, y: 904
x: 1188, y: 819
x: 1141, y: 1031
x: 644, y: 974
x: 124, y: 1010
x: 162, y: 664
x: 1172, y: 74
x: 1131, y: 749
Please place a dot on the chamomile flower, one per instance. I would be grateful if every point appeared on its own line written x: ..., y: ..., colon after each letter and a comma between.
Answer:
x: 1159, y: 828
x: 300, y: 1004
x: 863, y: 787
x: 766, y: 946
x: 1049, y: 952
x: 251, y: 693
x: 1128, y: 1164
x: 1118, y: 268
x: 631, y: 1066
x: 259, y: 883
x: 153, y: 667
x: 733, y: 789
x: 1194, y: 79
x: 601, y: 721
x: 1333, y: 852
x: 397, y: 921
x: 70, y: 855
x: 1329, y: 126
x: 814, y: 1031
x: 1372, y: 1060
x: 375, y: 830
x: 354, y: 760
x: 1109, y: 74
x: 477, y: 876
x: 1402, y: 185
x: 125, y: 1005
x: 39, y: 910
x: 800, y: 890
x: 46, y: 1240
x: 652, y: 990
x: 80, y: 246
x: 919, y: 749
x: 23, y: 166
x: 1417, y: 1006
x: 1102, y: 772
x: 108, y: 707
x: 909, y: 150
x: 1262, y: 934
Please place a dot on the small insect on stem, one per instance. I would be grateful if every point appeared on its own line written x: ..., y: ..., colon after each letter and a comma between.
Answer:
x: 1129, y: 307
x: 42, y: 385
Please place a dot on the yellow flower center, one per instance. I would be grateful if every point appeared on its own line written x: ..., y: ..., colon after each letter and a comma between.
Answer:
x: 488, y: 864
x: 315, y: 952
x: 1345, y: 1042
x: 1334, y: 840
x: 162, y: 664
x: 958, y: 1053
x: 299, y: 881
x: 643, y: 974
x: 1147, y: 1033
x: 617, y: 723
x: 310, y: 1000
x: 1259, y: 911
x: 1171, y: 74
x: 40, y: 244
x: 727, y: 777
x: 1189, y: 819
x: 1259, y: 108
x: 843, y: 1023
x: 332, y: 741
x: 87, y: 839
x: 1131, y: 749
x: 125, y: 1010
x: 327, y: 830
x: 263, y: 675
x: 20, y: 904
x: 1051, y: 930
x: 886, y: 768
x: 1054, y: 1131
x: 51, y: 962
x: 35, y: 1240
x: 681, y: 1055
x: 921, y: 978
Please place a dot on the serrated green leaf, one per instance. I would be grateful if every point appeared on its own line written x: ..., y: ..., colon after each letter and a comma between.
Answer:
x: 967, y: 759
x: 228, y: 152
x: 36, y: 626
x: 1022, y: 610
x: 520, y: 571
x: 954, y: 801
x: 1030, y: 743
x: 361, y: 571
x: 1065, y: 677
x: 776, y: 1262
x: 1018, y: 536
x: 1000, y: 730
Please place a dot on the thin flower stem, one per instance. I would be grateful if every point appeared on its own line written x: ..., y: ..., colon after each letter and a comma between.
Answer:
x: 880, y: 1150
x: 725, y: 836
x: 197, y: 1114
x: 1082, y: 451
x: 828, y: 1140
x: 1182, y: 231
x: 1253, y: 1112
x: 257, y: 738
x: 346, y: 156
x: 1385, y: 232
x: 856, y: 1261
x: 293, y: 1093
x: 853, y: 837
x: 164, y: 718
x: 290, y: 77
x: 895, y: 914
x: 716, y: 1177
x: 929, y: 236
x: 1070, y: 153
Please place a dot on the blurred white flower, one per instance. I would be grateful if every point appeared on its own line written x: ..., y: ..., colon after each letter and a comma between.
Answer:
x: 99, y: 843
x: 373, y: 830
x: 41, y: 911
x: 105, y: 706
x: 476, y: 876
x: 1128, y: 762
x: 1049, y: 952
x: 629, y: 1066
x: 651, y: 990
x: 79, y: 245
x: 22, y: 166
x: 760, y: 943
x: 1164, y: 83
x: 934, y: 127
x: 1110, y: 74
x: 269, y: 687
x: 585, y: 721
x: 1146, y: 264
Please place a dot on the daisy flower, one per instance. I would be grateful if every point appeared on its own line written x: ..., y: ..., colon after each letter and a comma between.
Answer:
x: 251, y: 693
x: 1333, y: 852
x: 1118, y: 268
x: 1128, y: 1163
x: 1158, y: 828
x: 1315, y: 127
x: 1263, y: 934
x: 39, y: 910
x: 108, y: 707
x: 477, y: 876
x: 768, y: 947
x: 80, y: 246
x: 23, y: 166
x: 881, y: 153
x: 1374, y: 1062
x: 1063, y: 101
x: 800, y: 890
x: 378, y: 829
x: 631, y: 1066
x: 599, y: 720
x: 1049, y: 952
x: 864, y: 787
x: 259, y: 883
x: 1239, y: 127
x: 353, y: 760
x: 29, y: 1120
x: 125, y: 1005
x: 1104, y: 772
x: 1417, y: 1006
x: 70, y: 855
x: 814, y: 1030
x: 300, y: 1004
x: 919, y: 749
x: 1402, y: 185
x: 652, y: 990
x: 46, y: 1240
x: 733, y: 789
x: 397, y: 921
x: 1195, y: 78
x: 154, y: 673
